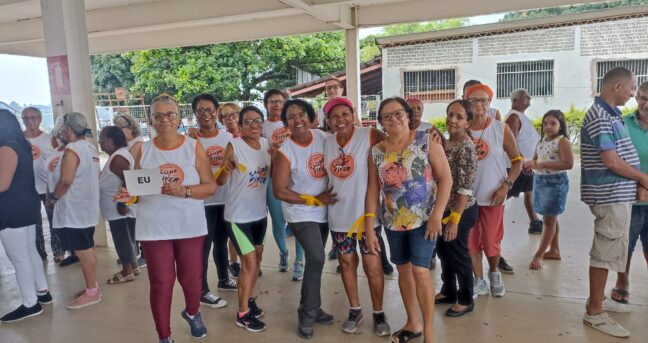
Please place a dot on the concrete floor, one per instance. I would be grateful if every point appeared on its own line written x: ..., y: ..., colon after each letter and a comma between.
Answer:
x: 539, y: 306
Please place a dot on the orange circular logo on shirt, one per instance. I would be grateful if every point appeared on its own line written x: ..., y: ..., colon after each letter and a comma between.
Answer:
x: 316, y: 166
x: 482, y: 147
x: 343, y: 166
x: 215, y: 153
x: 279, y: 135
x: 53, y: 163
x: 36, y: 152
x: 172, y: 172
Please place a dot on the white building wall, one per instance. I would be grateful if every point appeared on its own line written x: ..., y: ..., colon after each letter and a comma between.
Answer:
x: 574, y: 50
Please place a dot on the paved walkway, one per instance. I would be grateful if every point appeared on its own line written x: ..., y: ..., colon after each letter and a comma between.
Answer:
x: 539, y: 306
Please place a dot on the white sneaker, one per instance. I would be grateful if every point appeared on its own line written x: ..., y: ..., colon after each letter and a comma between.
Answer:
x: 480, y: 287
x: 604, y: 323
x: 496, y: 284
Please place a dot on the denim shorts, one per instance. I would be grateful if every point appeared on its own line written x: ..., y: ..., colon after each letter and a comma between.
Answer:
x: 550, y: 193
x: 638, y: 227
x: 410, y: 246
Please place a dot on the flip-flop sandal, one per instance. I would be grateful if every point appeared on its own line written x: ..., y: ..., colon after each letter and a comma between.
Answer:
x: 119, y: 278
x: 403, y: 336
x: 625, y: 295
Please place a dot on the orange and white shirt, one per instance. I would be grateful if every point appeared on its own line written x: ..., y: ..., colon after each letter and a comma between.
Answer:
x: 215, y: 150
x: 109, y: 184
x: 346, y: 166
x: 492, y: 160
x: 307, y: 176
x: 166, y: 217
x: 78, y: 208
x: 41, y: 149
x: 248, y: 183
x: 275, y: 132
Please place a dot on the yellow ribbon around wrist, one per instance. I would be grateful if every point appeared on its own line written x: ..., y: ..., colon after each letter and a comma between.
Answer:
x: 311, y: 200
x: 241, y: 167
x: 515, y: 159
x: 358, y: 226
x: 454, y: 217
x: 132, y: 201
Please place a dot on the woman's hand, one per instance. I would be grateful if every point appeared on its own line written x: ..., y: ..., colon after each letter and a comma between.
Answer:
x: 500, y: 194
x: 122, y: 195
x: 450, y: 232
x: 174, y: 189
x: 434, y: 228
x: 327, y: 197
x: 372, y: 243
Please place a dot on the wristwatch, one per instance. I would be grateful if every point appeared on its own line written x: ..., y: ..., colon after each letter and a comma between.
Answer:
x: 509, y: 183
x: 188, y: 192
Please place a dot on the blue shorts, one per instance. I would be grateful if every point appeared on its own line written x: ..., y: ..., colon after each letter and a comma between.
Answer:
x: 410, y: 246
x: 550, y: 193
x: 638, y: 228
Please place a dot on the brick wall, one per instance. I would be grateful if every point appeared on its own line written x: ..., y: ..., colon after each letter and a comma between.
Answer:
x: 550, y: 40
x: 615, y: 38
x: 438, y: 53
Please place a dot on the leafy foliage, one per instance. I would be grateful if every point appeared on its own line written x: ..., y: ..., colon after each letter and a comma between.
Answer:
x: 544, y: 12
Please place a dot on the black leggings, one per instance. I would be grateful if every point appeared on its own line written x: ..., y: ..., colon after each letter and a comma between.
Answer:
x: 216, y: 235
x: 455, y: 260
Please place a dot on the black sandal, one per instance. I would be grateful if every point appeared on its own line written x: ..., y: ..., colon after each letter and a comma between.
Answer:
x: 403, y: 336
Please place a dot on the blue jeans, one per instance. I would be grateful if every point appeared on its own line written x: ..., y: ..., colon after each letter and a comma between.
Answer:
x: 411, y: 246
x: 638, y: 228
x: 279, y: 224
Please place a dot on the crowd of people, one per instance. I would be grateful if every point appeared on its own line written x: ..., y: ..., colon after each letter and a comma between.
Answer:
x: 320, y: 174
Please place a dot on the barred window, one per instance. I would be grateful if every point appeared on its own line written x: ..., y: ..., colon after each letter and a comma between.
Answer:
x: 430, y: 85
x: 537, y: 77
x: 638, y: 67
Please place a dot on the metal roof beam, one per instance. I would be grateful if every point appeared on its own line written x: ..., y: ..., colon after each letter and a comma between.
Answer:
x: 338, y: 14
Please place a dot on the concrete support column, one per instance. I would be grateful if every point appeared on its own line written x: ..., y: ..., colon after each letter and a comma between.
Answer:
x: 352, y: 59
x: 68, y: 63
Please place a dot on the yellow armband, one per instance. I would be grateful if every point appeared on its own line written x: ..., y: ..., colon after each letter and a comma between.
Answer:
x: 518, y: 158
x: 454, y: 217
x: 311, y: 200
x: 241, y: 167
x: 358, y: 226
x: 132, y: 201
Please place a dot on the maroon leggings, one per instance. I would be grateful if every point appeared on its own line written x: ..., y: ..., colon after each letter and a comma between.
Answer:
x: 163, y: 259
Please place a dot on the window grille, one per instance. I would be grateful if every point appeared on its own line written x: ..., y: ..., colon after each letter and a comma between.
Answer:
x: 534, y: 76
x: 430, y: 85
x: 638, y: 67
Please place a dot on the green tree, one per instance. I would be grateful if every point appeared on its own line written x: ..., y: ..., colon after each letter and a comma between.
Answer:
x: 544, y: 12
x: 110, y: 71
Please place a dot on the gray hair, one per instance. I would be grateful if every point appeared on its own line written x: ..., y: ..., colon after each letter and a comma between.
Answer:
x: 32, y: 109
x: 516, y: 94
x: 78, y: 123
x: 643, y: 87
x: 127, y: 120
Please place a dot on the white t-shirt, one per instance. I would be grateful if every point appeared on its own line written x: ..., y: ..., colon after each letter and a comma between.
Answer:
x: 166, y: 217
x: 78, y: 208
x: 275, y: 132
x: 423, y: 126
x: 491, y: 161
x: 247, y: 184
x: 215, y: 150
x: 307, y: 176
x: 41, y: 149
x: 52, y: 170
x: 109, y: 184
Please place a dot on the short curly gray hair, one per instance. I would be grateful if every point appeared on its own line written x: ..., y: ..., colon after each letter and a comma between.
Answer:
x: 124, y: 120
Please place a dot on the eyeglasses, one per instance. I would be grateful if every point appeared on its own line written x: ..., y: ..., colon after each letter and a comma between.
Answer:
x: 169, y: 115
x: 30, y: 118
x: 276, y: 102
x: 204, y: 112
x: 232, y: 115
x: 300, y: 115
x: 249, y: 122
x: 475, y: 101
x: 398, y: 114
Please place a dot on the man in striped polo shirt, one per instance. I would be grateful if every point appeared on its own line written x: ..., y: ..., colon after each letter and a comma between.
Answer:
x: 609, y: 176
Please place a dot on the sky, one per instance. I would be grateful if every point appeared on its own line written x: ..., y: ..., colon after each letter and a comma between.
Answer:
x: 25, y: 79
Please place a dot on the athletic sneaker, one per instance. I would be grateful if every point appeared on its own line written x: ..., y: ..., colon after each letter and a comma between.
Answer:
x: 535, y: 227
x: 283, y: 261
x: 496, y: 284
x: 480, y: 287
x: 604, y: 323
x: 332, y: 254
x: 324, y: 318
x: 141, y: 262
x: 288, y: 232
x: 84, y: 300
x: 72, y: 259
x: 196, y: 325
x: 250, y: 322
x: 45, y: 298
x: 255, y: 310
x: 228, y: 285
x: 234, y: 269
x: 212, y: 300
x: 504, y: 266
x: 381, y: 328
x: 21, y: 313
x: 305, y: 332
x: 167, y: 340
x: 352, y: 323
x: 387, y: 268
x: 298, y: 271
x: 338, y: 269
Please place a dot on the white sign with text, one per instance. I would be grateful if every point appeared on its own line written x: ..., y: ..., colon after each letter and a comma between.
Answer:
x: 143, y: 181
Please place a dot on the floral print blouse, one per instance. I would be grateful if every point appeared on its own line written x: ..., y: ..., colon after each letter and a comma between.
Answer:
x: 462, y: 159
